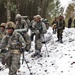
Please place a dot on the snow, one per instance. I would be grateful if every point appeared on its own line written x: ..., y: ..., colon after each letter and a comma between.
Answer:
x: 61, y: 60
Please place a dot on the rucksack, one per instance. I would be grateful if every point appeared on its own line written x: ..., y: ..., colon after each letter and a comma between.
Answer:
x: 46, y: 23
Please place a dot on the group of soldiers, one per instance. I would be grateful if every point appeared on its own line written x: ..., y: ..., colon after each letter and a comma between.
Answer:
x: 14, y: 40
x: 70, y: 22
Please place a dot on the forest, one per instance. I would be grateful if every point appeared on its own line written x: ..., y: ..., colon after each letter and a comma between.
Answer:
x: 46, y: 8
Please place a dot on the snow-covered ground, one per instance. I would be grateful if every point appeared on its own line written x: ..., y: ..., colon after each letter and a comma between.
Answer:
x: 61, y: 60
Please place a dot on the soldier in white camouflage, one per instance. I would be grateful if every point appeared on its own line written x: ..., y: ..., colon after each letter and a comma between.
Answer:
x: 13, y: 42
x: 21, y: 24
x: 41, y: 29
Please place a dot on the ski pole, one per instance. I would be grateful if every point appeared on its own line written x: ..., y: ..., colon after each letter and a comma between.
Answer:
x: 28, y: 66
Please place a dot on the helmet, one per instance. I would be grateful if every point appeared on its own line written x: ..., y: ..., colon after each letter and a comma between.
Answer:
x: 10, y: 25
x: 3, y: 25
x: 18, y: 16
x: 38, y: 16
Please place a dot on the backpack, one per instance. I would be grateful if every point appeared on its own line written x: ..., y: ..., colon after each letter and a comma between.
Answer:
x: 46, y: 23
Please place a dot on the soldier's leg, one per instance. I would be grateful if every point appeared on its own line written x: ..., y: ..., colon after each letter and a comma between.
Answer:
x: 3, y: 56
x: 58, y: 34
x: 15, y: 64
x: 38, y: 45
x: 3, y: 59
x: 61, y: 31
x: 6, y: 59
x: 9, y: 61
x: 28, y: 42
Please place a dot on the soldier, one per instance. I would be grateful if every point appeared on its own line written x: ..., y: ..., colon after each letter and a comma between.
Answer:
x: 13, y: 42
x: 21, y: 24
x: 2, y: 34
x: 54, y: 25
x: 69, y: 22
x: 60, y: 27
x: 40, y: 29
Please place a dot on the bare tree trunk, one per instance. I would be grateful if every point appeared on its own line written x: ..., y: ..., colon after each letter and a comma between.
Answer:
x: 8, y: 11
x: 17, y: 6
x: 43, y: 4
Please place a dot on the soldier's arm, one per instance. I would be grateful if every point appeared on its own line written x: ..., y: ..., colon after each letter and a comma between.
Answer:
x: 22, y: 41
x: 25, y: 25
x: 3, y: 43
x: 29, y: 23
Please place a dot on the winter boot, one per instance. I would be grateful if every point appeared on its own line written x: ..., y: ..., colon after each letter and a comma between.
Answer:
x: 34, y: 55
x: 61, y: 41
x: 37, y: 53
